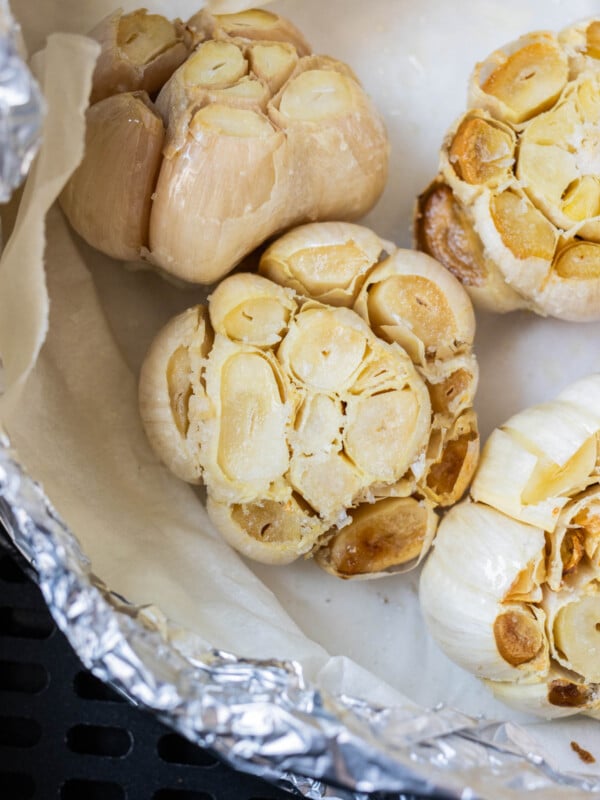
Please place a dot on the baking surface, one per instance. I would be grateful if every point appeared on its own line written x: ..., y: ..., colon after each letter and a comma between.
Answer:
x: 77, y: 428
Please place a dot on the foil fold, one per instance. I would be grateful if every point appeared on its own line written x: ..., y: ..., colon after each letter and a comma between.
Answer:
x: 21, y: 108
x: 263, y: 717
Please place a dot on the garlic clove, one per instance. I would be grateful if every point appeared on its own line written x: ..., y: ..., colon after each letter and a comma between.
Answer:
x: 223, y: 143
x: 445, y: 230
x: 272, y: 63
x: 478, y: 556
x: 172, y: 391
x: 581, y: 42
x: 409, y: 298
x: 382, y: 537
x: 448, y: 477
x: 256, y: 23
x: 139, y: 51
x: 271, y: 532
x: 326, y: 262
x: 108, y: 198
x: 250, y: 309
x: 520, y: 80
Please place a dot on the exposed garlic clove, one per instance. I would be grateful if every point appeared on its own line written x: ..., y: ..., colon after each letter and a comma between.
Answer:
x: 252, y: 310
x: 271, y: 532
x: 383, y: 537
x: 581, y: 42
x: 479, y: 153
x: 256, y: 23
x: 108, y: 198
x: 444, y: 229
x: 273, y: 63
x: 477, y: 557
x: 410, y: 299
x: 520, y: 80
x: 448, y: 477
x: 452, y: 385
x: 556, y: 165
x: 244, y: 448
x: 324, y: 262
x: 560, y: 696
x: 574, y: 624
x: 172, y: 391
x: 139, y: 51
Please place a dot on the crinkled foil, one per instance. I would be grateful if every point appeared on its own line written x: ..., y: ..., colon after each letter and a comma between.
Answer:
x: 21, y: 108
x: 263, y: 717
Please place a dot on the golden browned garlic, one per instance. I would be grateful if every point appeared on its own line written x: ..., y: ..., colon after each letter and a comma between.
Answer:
x: 515, y: 210
x: 511, y: 590
x: 237, y: 131
x: 331, y: 429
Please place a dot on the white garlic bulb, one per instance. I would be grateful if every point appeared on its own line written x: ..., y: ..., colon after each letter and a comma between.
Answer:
x: 511, y: 590
x: 205, y: 138
x: 314, y: 430
x: 515, y: 210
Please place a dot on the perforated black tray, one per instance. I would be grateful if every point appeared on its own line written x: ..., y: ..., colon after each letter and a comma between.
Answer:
x: 64, y: 735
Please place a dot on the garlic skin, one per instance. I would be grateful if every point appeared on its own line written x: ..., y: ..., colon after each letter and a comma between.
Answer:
x: 515, y: 210
x: 312, y: 434
x: 511, y: 589
x: 260, y: 135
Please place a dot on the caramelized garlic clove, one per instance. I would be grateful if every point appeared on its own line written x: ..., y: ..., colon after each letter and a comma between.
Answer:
x: 139, y: 51
x: 445, y: 230
x: 108, y: 198
x: 449, y: 476
x: 271, y: 532
x: 520, y: 80
x: 272, y: 63
x: 411, y: 299
x: 477, y: 556
x: 382, y: 538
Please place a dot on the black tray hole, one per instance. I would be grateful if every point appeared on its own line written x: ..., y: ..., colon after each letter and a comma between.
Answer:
x: 25, y: 623
x: 19, y: 732
x: 176, y: 750
x: 16, y: 676
x: 99, y: 740
x: 10, y: 572
x: 180, y: 794
x: 91, y: 790
x: 16, y: 786
x: 89, y: 687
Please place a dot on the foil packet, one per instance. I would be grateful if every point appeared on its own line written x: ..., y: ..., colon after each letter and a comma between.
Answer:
x: 253, y: 662
x: 21, y: 108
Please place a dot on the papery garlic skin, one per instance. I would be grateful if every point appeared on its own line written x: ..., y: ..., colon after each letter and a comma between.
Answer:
x: 511, y: 590
x: 312, y: 434
x: 515, y: 210
x: 259, y: 135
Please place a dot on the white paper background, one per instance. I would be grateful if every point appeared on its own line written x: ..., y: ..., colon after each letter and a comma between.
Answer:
x: 77, y: 429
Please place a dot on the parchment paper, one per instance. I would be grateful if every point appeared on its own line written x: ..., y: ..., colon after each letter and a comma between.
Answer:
x: 74, y: 417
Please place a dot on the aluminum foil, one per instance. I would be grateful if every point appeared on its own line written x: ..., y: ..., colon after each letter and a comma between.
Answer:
x: 263, y: 717
x: 21, y: 107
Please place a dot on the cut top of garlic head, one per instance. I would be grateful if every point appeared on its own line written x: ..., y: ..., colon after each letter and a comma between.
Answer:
x: 511, y: 590
x: 327, y: 429
x: 254, y: 134
x: 515, y: 210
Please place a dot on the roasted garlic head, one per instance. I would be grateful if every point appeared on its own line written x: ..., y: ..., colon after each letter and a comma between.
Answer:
x: 511, y: 590
x: 515, y: 210
x: 204, y: 139
x: 331, y: 429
